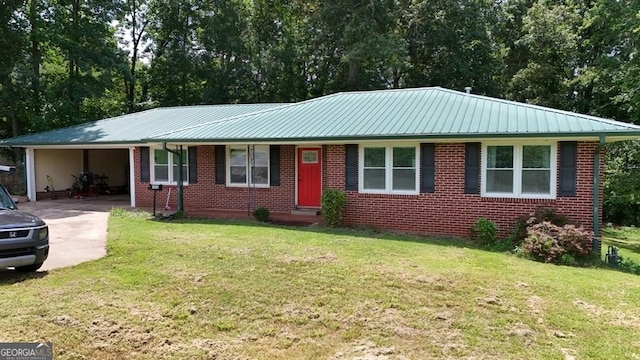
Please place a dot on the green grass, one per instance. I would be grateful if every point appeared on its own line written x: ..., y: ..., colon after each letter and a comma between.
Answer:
x: 213, y: 289
x: 626, y: 239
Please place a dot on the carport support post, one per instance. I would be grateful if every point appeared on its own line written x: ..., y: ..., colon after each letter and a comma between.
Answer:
x: 29, y: 173
x: 180, y: 182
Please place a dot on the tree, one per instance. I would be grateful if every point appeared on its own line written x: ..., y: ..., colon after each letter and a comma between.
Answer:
x: 87, y: 48
x: 226, y: 68
x: 273, y: 39
x: 451, y: 44
x: 621, y: 184
x: 134, y: 21
x: 175, y: 52
x: 12, y: 40
x: 356, y: 46
x: 577, y: 52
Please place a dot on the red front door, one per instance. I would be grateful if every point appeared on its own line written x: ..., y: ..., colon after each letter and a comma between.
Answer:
x: 309, y: 177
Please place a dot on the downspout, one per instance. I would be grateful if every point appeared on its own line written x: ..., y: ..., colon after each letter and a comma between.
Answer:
x: 249, y: 180
x: 179, y: 180
x: 596, y: 196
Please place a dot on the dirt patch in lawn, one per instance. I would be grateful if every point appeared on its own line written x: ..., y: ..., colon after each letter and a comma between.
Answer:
x: 367, y: 350
x: 320, y: 258
x: 619, y: 318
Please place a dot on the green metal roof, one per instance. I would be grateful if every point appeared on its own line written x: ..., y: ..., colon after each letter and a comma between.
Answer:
x: 419, y: 113
x: 403, y: 113
x: 132, y: 128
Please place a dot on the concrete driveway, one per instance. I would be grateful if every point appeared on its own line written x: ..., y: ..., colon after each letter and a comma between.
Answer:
x: 77, y: 227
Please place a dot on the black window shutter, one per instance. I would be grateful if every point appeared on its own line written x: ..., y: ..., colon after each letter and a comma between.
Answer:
x: 144, y: 164
x: 221, y: 156
x: 427, y: 168
x: 193, y: 164
x: 472, y: 168
x: 567, y: 167
x: 274, y: 164
x: 351, y: 167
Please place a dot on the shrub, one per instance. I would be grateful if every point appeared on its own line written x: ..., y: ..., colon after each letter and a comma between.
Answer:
x: 568, y: 260
x: 542, y: 242
x: 552, y: 243
x: 333, y: 203
x: 576, y: 241
x: 519, y: 232
x: 484, y: 231
x: 504, y: 244
x: 261, y: 214
x: 630, y: 266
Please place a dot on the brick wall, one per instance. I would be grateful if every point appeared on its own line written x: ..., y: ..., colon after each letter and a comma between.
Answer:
x: 208, y: 195
x: 448, y: 211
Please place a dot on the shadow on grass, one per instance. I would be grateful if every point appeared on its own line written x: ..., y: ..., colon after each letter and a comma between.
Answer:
x: 623, y: 238
x: 627, y: 269
x: 363, y: 232
x: 623, y: 245
x: 8, y: 277
x: 372, y: 233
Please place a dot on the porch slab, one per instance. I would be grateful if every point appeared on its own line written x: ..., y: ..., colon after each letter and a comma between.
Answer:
x: 306, y: 212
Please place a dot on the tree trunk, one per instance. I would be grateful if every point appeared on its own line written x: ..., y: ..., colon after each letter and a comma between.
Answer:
x: 73, y: 63
x: 35, y: 58
x: 352, y: 77
x: 131, y: 87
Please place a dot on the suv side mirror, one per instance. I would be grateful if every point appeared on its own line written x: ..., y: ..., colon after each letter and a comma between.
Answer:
x: 7, y: 169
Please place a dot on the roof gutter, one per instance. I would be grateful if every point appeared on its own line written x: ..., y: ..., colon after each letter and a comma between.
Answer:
x: 180, y: 181
x: 596, y: 246
x: 435, y: 137
x: 10, y: 144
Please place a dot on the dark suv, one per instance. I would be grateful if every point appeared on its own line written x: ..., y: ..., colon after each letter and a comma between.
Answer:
x: 24, y: 238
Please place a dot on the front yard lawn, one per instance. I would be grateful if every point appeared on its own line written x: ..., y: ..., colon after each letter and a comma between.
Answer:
x: 200, y: 289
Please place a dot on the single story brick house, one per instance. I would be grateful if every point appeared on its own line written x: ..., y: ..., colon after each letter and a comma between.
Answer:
x: 423, y: 160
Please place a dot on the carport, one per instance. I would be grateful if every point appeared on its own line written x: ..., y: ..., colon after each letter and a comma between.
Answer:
x: 109, y: 147
x: 50, y: 171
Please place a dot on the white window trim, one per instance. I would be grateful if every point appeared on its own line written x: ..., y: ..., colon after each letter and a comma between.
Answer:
x: 247, y: 183
x: 388, y: 169
x: 517, y: 171
x: 152, y: 167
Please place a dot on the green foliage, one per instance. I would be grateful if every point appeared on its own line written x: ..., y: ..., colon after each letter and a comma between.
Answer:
x: 333, y: 203
x: 567, y: 259
x: 484, y: 231
x: 557, y: 244
x: 503, y: 245
x: 629, y: 265
x: 622, y: 183
x: 456, y: 48
x: 60, y: 63
x: 261, y: 214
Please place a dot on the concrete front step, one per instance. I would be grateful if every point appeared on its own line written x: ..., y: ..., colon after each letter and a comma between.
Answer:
x: 306, y: 212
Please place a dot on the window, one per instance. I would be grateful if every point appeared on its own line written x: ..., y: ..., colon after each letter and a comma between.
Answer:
x: 309, y: 157
x: 519, y: 170
x: 389, y: 169
x: 165, y: 167
x: 248, y: 165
